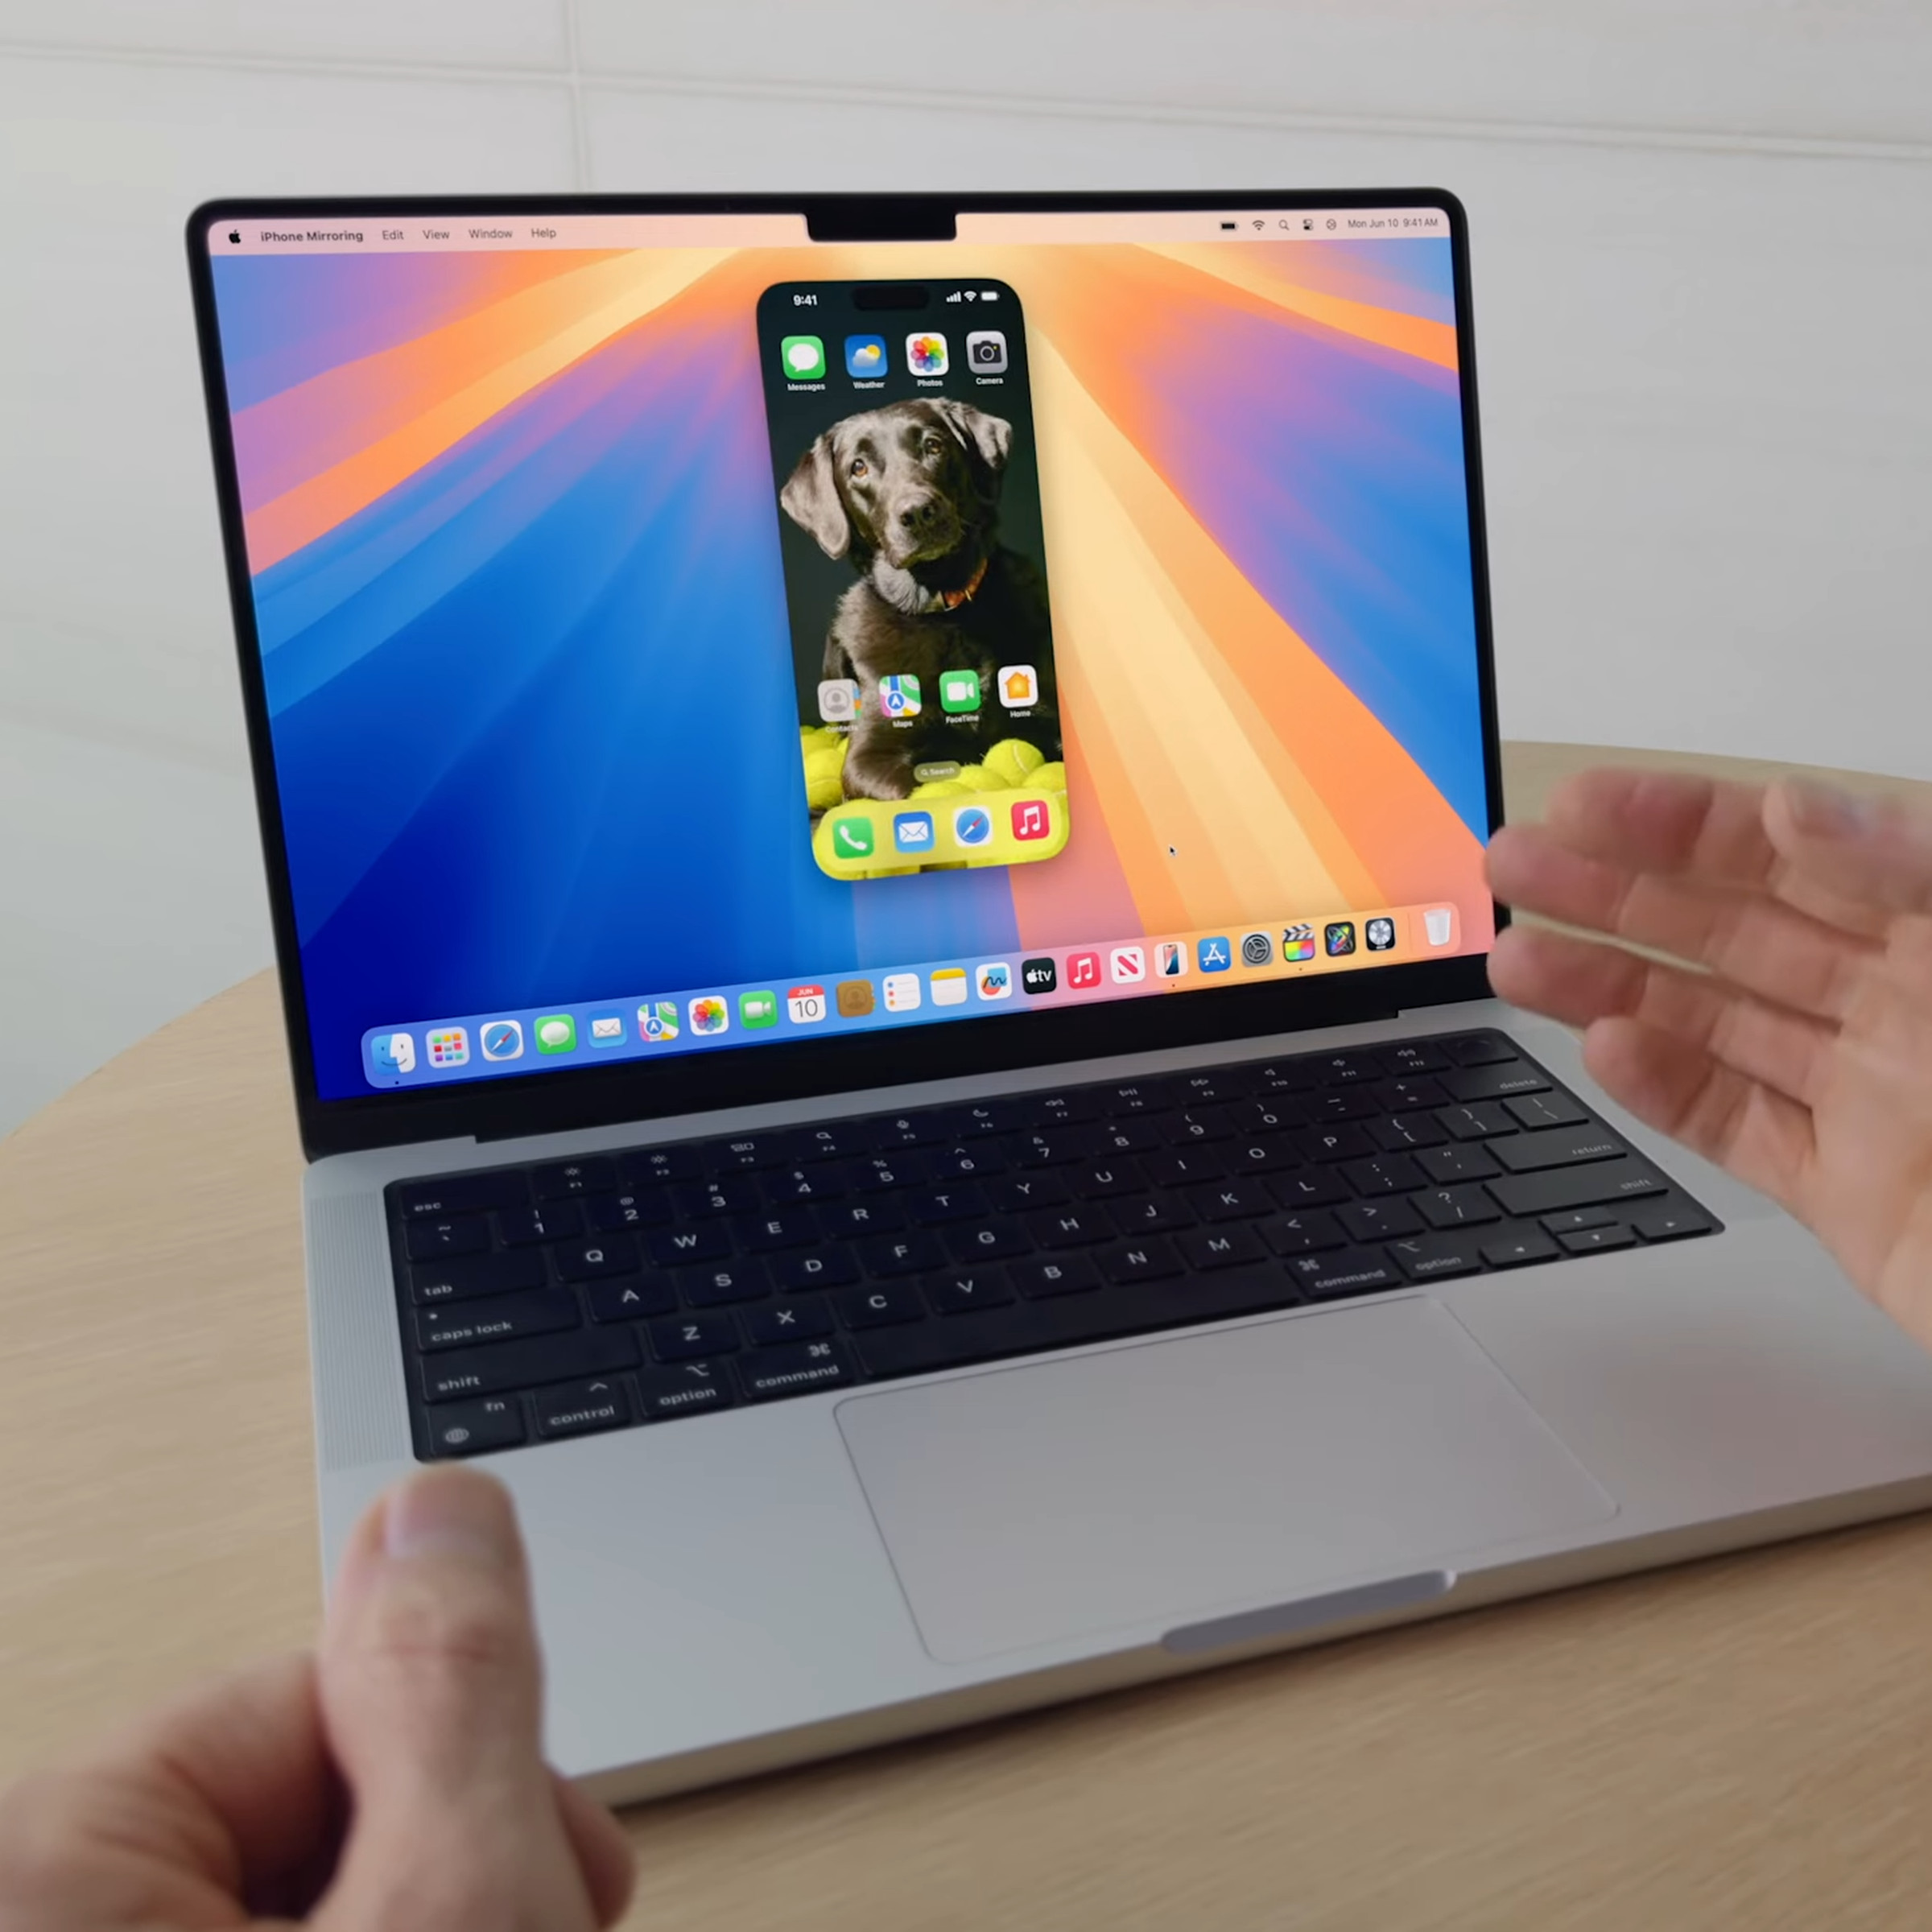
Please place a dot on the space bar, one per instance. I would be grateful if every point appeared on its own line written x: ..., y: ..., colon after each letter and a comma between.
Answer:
x: 1027, y: 1326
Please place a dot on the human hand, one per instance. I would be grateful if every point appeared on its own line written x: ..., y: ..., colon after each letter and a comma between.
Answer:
x: 1801, y: 1058
x: 393, y: 1782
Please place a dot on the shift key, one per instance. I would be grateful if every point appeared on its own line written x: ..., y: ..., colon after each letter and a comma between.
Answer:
x: 579, y: 1355
x: 1526, y: 1195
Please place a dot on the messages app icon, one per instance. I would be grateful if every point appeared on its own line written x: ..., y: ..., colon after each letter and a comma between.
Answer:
x: 803, y: 357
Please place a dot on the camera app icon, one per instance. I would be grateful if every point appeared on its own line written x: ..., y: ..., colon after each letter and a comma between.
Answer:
x: 986, y: 351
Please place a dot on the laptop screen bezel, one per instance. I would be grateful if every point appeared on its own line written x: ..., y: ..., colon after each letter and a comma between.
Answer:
x: 641, y: 1089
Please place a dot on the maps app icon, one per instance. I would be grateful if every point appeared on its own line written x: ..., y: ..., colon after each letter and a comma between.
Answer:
x: 899, y: 697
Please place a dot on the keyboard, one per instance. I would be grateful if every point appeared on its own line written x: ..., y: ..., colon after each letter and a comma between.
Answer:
x: 540, y: 1303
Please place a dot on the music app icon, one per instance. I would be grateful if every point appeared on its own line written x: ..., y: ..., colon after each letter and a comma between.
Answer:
x: 1029, y: 819
x: 1083, y: 969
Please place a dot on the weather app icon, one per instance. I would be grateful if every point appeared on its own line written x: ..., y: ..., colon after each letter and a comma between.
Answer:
x: 865, y: 356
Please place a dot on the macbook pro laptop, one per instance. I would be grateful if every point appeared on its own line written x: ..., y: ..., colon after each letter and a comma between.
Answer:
x: 875, y: 809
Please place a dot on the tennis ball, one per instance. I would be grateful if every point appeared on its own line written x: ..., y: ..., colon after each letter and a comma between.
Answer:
x: 1046, y: 777
x: 939, y: 788
x: 977, y: 778
x: 1011, y: 759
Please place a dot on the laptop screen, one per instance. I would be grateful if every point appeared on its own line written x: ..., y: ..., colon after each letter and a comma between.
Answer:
x: 680, y: 637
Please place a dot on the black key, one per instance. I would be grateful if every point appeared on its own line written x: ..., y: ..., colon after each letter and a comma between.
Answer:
x: 1231, y: 1200
x: 902, y: 1254
x: 986, y: 1241
x: 1062, y: 1108
x: 1525, y: 1195
x: 1133, y: 1136
x: 786, y: 1322
x: 1592, y: 1241
x: 1179, y: 1169
x: 1346, y: 1069
x: 1344, y: 1104
x: 1219, y: 1248
x: 1536, y: 1110
x: 1471, y: 1084
x: 650, y: 1166
x: 1261, y: 1154
x: 1479, y: 1049
x: 456, y: 1280
x: 582, y: 1408
x: 1477, y: 1123
x: 1105, y: 1179
x: 549, y: 1358
x: 802, y: 1369
x: 501, y: 1317
x: 1466, y: 1160
x: 1325, y: 1277
x: 686, y: 1337
x: 881, y: 1305
x: 690, y: 1385
x: 873, y: 1214
x: 1269, y: 1115
x: 649, y: 1208
x: 969, y: 1289
x: 834, y: 1140
x: 428, y: 1241
x: 568, y: 1178
x: 818, y: 1268
x: 746, y: 1153
x: 727, y: 1282
x: 964, y: 1161
x: 1054, y: 1274
x: 1384, y: 1174
x: 1148, y: 1261
x: 1283, y: 1076
x: 598, y: 1258
x: 983, y: 1118
x: 778, y: 1227
x: 1346, y: 1142
x: 1029, y: 1190
x: 1378, y: 1220
x: 1055, y: 1146
x: 1406, y: 1133
x: 1130, y: 1096
x: 957, y: 1201
x: 1557, y: 1147
x: 670, y: 1247
x: 1321, y: 1188
x: 1560, y: 1225
x: 1427, y: 1257
x: 1311, y: 1233
x: 1150, y: 1213
x: 791, y: 1186
x: 1415, y: 1056
x: 890, y: 1132
x: 885, y: 1173
x: 631, y: 1298
x: 1195, y: 1090
x: 1069, y: 1227
x: 553, y: 1221
x: 1672, y: 1224
x: 1411, y: 1096
x: 475, y: 1428
x: 1465, y: 1206
x: 1196, y: 1125
x: 461, y: 1194
x: 1514, y: 1250
x: 723, y: 1194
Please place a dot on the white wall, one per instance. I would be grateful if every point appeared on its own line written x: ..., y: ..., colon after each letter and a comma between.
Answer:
x: 1707, y: 404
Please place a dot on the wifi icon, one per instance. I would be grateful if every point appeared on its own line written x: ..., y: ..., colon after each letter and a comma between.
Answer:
x: 972, y: 294
x: 1261, y: 225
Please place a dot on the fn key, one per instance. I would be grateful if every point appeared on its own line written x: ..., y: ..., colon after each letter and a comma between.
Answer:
x: 475, y: 1428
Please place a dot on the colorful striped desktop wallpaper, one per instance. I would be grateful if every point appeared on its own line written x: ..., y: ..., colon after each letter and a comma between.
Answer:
x: 510, y: 525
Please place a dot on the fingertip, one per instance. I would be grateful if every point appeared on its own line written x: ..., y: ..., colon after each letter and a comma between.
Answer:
x: 603, y: 1849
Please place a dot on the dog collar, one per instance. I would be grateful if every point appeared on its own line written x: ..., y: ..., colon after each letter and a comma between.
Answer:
x: 952, y: 600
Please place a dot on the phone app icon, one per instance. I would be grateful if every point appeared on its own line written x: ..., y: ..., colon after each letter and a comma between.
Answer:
x: 1257, y: 949
x: 971, y: 825
x: 903, y: 993
x: 1340, y: 938
x: 1031, y: 819
x: 607, y: 1029
x: 854, y: 999
x: 852, y: 838
x: 899, y: 695
x: 807, y: 1004
x: 394, y: 1052
x: 959, y: 691
x: 500, y: 1039
x: 1213, y: 955
x: 1379, y: 934
x: 994, y: 980
x: 757, y: 1009
x: 912, y: 831
x: 449, y: 1047
x: 1128, y: 964
x: 1298, y: 943
x: 1082, y: 970
x: 804, y: 358
x: 557, y: 1034
x: 1018, y: 686
x: 838, y: 700
x: 925, y: 353
x: 949, y: 986
x: 865, y: 356
x: 1170, y: 961
x: 657, y: 1021
x: 986, y: 351
x: 709, y: 1014
x: 1039, y: 976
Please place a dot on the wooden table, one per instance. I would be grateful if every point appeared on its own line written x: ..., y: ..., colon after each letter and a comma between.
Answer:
x: 1746, y: 1742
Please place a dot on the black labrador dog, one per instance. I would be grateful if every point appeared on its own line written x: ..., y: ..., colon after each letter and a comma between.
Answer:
x: 911, y: 494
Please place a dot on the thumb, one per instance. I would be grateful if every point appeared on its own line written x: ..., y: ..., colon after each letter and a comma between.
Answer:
x: 1875, y: 851
x: 431, y: 1697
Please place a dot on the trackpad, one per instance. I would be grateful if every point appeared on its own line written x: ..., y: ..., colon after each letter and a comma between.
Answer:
x: 1176, y: 1480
